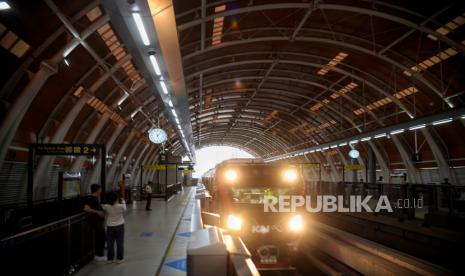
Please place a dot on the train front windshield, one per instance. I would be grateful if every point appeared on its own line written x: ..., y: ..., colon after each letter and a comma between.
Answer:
x: 250, y: 184
x: 255, y: 195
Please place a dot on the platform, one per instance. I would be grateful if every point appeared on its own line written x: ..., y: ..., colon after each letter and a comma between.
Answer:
x: 148, y: 237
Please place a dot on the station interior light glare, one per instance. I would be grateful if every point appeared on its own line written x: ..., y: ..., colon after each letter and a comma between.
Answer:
x: 397, y: 131
x: 380, y: 135
x: 444, y: 121
x: 140, y: 27
x: 290, y: 175
x: 296, y: 223
x: 174, y: 112
x: 417, y: 127
x: 125, y: 96
x: 154, y: 62
x: 234, y: 222
x: 4, y: 5
x: 231, y: 175
x: 163, y: 87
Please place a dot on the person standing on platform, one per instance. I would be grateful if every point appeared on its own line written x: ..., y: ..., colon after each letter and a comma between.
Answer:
x: 148, y: 195
x: 95, y: 215
x: 115, y: 227
x: 122, y: 189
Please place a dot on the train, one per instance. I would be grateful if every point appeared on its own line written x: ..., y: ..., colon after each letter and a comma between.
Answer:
x: 238, y: 188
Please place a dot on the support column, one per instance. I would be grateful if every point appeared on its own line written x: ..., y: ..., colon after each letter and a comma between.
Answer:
x: 116, y: 132
x: 371, y: 166
x: 120, y: 153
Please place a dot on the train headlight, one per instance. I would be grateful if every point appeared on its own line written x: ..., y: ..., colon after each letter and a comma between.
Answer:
x: 231, y: 175
x: 290, y: 175
x: 234, y: 223
x: 296, y: 223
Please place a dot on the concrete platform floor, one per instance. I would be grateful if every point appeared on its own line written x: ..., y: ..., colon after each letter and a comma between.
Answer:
x: 147, y: 237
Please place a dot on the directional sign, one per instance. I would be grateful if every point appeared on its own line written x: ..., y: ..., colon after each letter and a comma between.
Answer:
x: 354, y: 167
x: 66, y: 149
x: 155, y: 167
x: 311, y: 166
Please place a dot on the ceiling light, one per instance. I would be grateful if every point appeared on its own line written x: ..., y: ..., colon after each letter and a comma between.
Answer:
x: 141, y: 28
x: 333, y: 146
x: 353, y: 142
x: 4, y: 5
x: 366, y: 139
x: 125, y: 96
x: 163, y: 87
x: 343, y: 144
x: 380, y: 135
x: 66, y: 62
x: 448, y: 120
x: 134, y: 113
x: 174, y: 112
x: 177, y: 120
x: 397, y: 131
x: 154, y: 62
x: 417, y: 127
x: 170, y: 103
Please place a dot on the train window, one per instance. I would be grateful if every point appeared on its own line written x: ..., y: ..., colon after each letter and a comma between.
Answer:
x: 255, y: 195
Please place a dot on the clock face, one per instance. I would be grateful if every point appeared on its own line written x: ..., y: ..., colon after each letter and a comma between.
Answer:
x: 354, y: 154
x: 157, y: 135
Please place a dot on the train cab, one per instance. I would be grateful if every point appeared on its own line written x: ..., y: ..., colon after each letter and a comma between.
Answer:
x: 240, y: 188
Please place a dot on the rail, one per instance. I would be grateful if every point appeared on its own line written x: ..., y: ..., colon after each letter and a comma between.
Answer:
x: 426, y: 200
x: 57, y: 248
x: 367, y: 257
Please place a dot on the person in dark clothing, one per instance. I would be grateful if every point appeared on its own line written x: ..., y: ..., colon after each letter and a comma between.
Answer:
x: 96, y: 217
x: 148, y: 194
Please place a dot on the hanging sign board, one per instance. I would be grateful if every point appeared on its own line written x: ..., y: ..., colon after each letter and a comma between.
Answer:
x: 311, y: 166
x: 354, y: 167
x: 66, y: 149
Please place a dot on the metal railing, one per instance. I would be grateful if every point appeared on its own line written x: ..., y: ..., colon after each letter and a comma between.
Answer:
x: 57, y: 248
x: 422, y: 199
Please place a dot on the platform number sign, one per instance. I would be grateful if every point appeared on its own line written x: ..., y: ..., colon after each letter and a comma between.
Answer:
x: 66, y: 149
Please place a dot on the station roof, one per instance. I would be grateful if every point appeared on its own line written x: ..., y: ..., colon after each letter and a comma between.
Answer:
x: 271, y: 77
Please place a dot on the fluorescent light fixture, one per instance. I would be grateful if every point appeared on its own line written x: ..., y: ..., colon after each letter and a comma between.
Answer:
x: 163, y: 87
x: 312, y: 151
x: 66, y: 62
x: 170, y: 103
x: 380, y: 135
x: 333, y: 146
x: 318, y: 149
x: 463, y: 117
x: 440, y: 122
x: 125, y: 96
x: 343, y: 144
x: 366, y: 139
x: 141, y: 28
x: 177, y: 120
x: 4, y: 5
x: 325, y: 148
x: 134, y: 113
x: 154, y: 62
x: 179, y: 126
x: 417, y: 127
x: 174, y: 112
x: 353, y: 142
x: 397, y: 131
